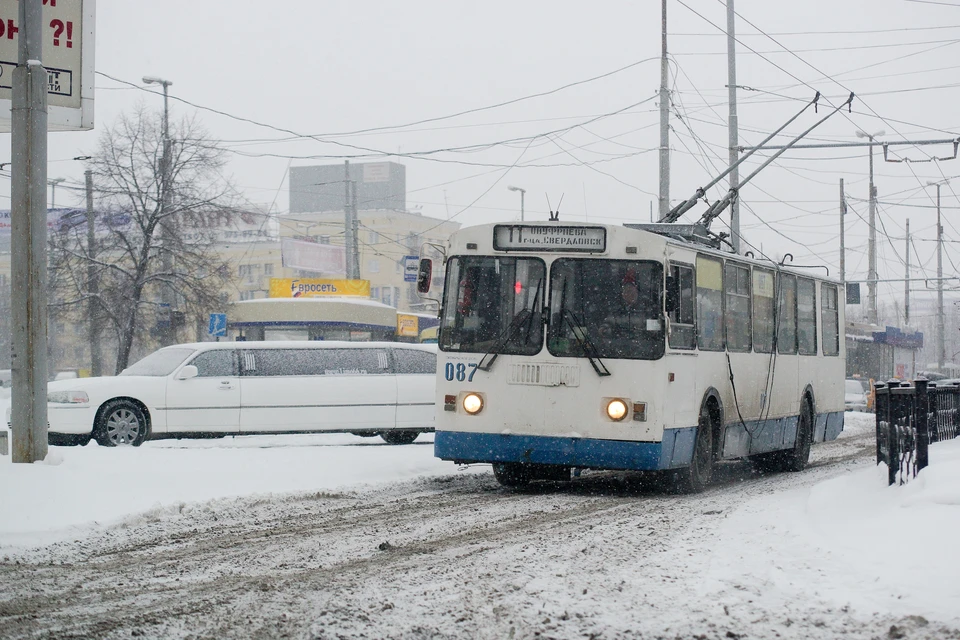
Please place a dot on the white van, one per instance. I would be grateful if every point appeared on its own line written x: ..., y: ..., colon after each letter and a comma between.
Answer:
x: 213, y: 388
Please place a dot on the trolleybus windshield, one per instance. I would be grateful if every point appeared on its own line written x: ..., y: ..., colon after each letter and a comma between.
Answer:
x: 612, y: 308
x: 493, y: 305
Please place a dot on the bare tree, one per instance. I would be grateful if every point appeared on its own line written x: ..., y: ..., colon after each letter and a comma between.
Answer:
x: 134, y: 231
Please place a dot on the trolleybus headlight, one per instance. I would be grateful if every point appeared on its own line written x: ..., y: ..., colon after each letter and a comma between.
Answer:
x: 472, y: 403
x: 617, y: 409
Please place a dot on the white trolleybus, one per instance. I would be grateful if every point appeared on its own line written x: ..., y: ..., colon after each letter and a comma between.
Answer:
x: 585, y: 346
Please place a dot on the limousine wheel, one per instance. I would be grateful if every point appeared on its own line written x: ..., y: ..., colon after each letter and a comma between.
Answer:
x: 399, y: 437
x: 121, y: 422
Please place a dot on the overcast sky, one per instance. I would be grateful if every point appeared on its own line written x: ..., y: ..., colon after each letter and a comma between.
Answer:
x: 323, y: 68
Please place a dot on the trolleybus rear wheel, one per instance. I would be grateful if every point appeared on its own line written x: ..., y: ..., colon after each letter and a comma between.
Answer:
x: 511, y: 474
x: 796, y: 459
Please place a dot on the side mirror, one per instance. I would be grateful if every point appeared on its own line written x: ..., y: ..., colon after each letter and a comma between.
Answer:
x: 424, y: 275
x: 672, y: 299
x: 189, y: 371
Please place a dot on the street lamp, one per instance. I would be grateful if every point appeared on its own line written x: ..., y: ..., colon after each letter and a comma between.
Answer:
x: 166, y: 292
x: 522, y: 193
x: 53, y: 191
x: 872, y: 244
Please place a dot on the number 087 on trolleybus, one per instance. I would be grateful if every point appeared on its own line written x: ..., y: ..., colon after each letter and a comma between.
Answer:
x: 583, y: 346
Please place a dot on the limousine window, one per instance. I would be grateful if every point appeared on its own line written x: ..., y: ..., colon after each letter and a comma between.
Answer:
x: 158, y: 363
x: 314, y: 362
x: 213, y: 364
x: 415, y: 361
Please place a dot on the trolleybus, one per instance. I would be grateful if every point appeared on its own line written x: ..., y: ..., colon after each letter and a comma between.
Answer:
x: 586, y: 346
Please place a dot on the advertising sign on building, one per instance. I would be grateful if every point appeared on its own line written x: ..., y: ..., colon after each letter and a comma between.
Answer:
x: 407, y: 326
x: 312, y: 256
x: 376, y: 172
x: 317, y: 288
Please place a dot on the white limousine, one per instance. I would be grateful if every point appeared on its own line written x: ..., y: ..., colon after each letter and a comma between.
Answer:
x: 212, y: 388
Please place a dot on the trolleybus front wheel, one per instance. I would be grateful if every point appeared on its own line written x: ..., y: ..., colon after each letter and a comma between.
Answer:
x: 697, y: 476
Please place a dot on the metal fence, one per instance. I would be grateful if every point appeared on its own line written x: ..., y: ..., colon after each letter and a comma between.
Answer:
x: 909, y: 417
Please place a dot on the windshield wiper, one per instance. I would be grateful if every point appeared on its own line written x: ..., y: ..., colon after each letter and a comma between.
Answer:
x: 588, y: 348
x: 526, y: 316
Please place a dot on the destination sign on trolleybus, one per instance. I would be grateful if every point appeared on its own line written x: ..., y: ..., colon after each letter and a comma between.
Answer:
x: 519, y: 237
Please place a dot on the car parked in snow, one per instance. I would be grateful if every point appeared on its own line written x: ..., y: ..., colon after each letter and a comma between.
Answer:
x: 218, y: 388
x: 854, y: 396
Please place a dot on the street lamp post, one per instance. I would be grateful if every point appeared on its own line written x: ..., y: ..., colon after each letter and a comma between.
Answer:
x: 523, y: 192
x: 872, y: 244
x: 941, y: 348
x: 53, y: 191
x: 166, y: 294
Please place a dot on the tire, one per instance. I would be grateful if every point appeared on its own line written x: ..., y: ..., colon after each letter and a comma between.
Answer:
x: 121, y: 423
x: 698, y: 475
x: 511, y: 474
x: 399, y: 437
x: 68, y: 439
x: 796, y: 459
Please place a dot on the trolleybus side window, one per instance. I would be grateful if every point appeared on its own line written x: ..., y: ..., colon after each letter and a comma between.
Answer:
x: 709, y: 304
x: 493, y: 305
x: 830, y: 320
x: 736, y: 280
x: 606, y: 309
x: 787, y: 323
x: 806, y: 317
x: 763, y: 318
x: 683, y: 328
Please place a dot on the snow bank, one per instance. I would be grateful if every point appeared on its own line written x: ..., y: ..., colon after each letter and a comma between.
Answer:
x: 853, y: 541
x: 81, y: 486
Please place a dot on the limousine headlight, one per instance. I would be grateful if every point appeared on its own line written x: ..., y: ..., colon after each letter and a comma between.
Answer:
x: 617, y: 409
x: 68, y: 397
x: 472, y: 403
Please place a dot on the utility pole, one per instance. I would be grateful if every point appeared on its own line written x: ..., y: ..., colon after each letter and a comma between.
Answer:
x: 664, y: 120
x: 872, y: 243
x: 356, y: 230
x: 733, y: 127
x: 167, y: 297
x: 93, y: 287
x: 348, y: 228
x: 872, y: 247
x: 29, y: 240
x: 941, y: 351
x: 843, y: 224
x: 906, y: 281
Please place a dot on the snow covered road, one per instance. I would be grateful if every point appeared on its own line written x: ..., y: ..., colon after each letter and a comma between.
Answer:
x: 455, y: 555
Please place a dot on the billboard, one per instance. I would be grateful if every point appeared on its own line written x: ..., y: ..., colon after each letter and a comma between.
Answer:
x: 68, y: 51
x: 379, y: 185
x: 317, y: 288
x: 312, y: 256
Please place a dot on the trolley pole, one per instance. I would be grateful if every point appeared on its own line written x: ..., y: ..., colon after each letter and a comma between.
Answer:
x: 664, y: 199
x: 29, y: 240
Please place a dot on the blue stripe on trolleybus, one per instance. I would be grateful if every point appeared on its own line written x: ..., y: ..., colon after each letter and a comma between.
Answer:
x: 676, y: 450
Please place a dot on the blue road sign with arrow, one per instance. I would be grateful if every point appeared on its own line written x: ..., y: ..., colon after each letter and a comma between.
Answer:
x: 218, y: 325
